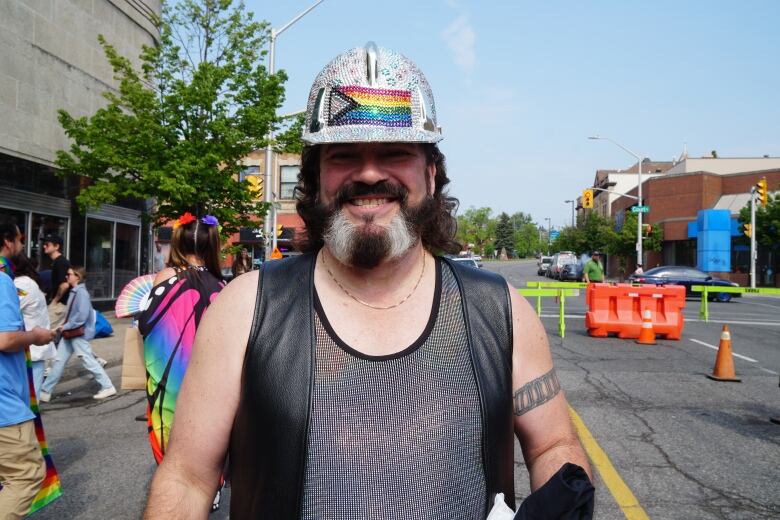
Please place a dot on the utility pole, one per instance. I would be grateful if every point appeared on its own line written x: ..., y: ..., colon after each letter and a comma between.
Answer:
x: 753, y: 252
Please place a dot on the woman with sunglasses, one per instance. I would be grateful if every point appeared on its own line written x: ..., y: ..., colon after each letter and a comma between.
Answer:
x: 78, y: 329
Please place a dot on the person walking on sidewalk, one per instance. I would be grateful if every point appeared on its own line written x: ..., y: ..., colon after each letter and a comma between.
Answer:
x: 78, y: 329
x: 593, y: 270
x: 22, y: 467
x: 35, y: 314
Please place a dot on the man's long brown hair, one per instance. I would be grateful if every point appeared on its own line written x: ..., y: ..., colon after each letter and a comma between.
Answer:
x: 438, y: 230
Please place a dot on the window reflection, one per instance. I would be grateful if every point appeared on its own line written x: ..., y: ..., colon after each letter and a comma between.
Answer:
x: 126, y: 257
x: 99, y: 257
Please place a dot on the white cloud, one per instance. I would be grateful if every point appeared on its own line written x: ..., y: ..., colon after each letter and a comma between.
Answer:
x: 460, y: 38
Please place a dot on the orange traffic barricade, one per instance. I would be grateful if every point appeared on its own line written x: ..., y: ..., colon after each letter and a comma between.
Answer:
x: 617, y: 309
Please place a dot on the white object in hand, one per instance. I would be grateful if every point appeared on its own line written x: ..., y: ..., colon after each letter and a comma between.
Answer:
x: 500, y: 510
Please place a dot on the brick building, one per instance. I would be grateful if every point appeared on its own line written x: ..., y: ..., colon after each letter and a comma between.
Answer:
x: 675, y: 199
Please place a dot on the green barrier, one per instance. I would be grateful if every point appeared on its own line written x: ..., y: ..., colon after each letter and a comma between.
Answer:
x: 704, y: 308
x: 560, y: 292
x: 553, y: 285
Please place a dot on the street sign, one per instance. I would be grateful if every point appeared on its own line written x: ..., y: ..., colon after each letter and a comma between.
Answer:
x: 554, y: 234
x: 640, y: 209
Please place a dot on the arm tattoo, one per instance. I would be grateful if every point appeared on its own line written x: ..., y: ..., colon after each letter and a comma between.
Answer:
x: 536, y: 392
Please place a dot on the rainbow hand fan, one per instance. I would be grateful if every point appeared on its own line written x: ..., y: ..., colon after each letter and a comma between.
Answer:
x: 134, y: 296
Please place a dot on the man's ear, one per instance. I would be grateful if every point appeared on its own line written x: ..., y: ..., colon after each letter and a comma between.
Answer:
x: 430, y: 171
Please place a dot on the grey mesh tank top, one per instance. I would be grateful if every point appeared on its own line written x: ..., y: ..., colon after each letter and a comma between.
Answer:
x: 399, y: 436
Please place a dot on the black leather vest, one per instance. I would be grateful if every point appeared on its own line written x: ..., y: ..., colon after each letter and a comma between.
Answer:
x: 269, y: 437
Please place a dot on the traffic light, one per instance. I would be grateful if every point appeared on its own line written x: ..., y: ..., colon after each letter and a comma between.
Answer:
x: 279, y: 230
x: 761, y: 191
x: 748, y: 230
x: 587, y: 199
x: 255, y: 185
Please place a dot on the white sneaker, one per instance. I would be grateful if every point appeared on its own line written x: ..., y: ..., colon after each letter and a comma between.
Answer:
x: 106, y: 392
x: 102, y: 361
x: 44, y: 397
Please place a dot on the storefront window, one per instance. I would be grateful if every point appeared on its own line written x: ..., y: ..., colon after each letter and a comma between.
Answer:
x: 43, y: 225
x: 126, y: 258
x: 98, y: 257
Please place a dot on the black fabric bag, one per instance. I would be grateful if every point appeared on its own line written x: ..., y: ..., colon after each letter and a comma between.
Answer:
x: 568, y: 495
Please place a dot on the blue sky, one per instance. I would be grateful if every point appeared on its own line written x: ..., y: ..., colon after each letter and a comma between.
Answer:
x: 520, y: 85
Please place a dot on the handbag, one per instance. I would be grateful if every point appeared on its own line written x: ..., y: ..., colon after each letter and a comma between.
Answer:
x: 72, y: 333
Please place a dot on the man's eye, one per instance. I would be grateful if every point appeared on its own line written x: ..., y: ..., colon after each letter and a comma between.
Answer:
x: 398, y: 153
x: 340, y: 156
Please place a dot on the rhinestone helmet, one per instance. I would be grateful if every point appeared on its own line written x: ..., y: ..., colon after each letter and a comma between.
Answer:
x: 370, y: 94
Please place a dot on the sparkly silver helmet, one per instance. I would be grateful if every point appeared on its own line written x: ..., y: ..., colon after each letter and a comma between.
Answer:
x: 371, y: 94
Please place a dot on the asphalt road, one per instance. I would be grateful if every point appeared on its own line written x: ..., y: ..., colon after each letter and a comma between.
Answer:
x: 684, y: 446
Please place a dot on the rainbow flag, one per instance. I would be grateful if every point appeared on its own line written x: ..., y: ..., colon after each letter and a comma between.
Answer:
x: 356, y: 105
x: 50, y: 487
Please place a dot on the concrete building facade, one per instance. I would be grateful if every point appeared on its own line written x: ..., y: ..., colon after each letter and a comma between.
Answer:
x: 50, y: 59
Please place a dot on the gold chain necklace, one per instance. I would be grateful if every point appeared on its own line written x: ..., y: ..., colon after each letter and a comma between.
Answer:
x: 370, y: 306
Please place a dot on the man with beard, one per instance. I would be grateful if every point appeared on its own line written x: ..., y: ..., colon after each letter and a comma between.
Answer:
x: 369, y: 377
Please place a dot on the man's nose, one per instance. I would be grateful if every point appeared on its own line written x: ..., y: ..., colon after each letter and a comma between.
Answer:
x: 370, y: 170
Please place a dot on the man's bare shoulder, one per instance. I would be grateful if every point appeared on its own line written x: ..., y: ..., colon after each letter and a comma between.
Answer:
x: 238, y: 297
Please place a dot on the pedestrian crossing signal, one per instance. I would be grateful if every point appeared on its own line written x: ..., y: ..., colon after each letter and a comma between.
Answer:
x: 279, y: 230
x: 255, y: 185
x: 587, y: 199
x: 748, y: 230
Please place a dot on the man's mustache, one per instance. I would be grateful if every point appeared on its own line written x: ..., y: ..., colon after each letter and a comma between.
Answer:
x: 380, y: 189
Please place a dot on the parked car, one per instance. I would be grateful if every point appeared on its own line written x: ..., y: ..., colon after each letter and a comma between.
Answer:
x: 467, y: 260
x: 686, y: 276
x: 560, y: 259
x: 571, y: 272
x: 543, y: 264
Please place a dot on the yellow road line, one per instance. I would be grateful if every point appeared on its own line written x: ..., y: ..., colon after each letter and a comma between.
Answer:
x: 622, y: 494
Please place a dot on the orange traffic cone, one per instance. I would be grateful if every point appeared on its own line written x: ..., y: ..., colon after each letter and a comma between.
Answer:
x: 646, y: 333
x: 724, y: 363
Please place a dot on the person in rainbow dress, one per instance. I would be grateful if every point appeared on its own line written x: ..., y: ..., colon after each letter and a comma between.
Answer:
x: 181, y: 294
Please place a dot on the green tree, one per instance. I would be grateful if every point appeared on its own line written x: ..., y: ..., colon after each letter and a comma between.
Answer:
x: 477, y: 227
x: 622, y: 244
x: 526, y: 235
x: 505, y: 238
x: 767, y: 228
x: 593, y: 232
x: 177, y: 129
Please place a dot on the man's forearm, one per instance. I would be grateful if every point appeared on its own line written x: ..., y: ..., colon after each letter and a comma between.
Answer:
x: 15, y: 341
x: 546, y: 464
x: 175, y: 496
x: 60, y: 291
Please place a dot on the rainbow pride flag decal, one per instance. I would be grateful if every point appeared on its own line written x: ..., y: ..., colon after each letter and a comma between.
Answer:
x: 51, y: 488
x: 354, y: 105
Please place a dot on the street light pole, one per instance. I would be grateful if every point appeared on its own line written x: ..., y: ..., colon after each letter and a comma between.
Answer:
x: 572, y: 210
x: 269, y: 232
x: 638, y: 192
x: 549, y: 230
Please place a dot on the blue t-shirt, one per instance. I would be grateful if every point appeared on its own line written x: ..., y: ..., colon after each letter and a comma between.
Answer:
x: 14, y: 388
